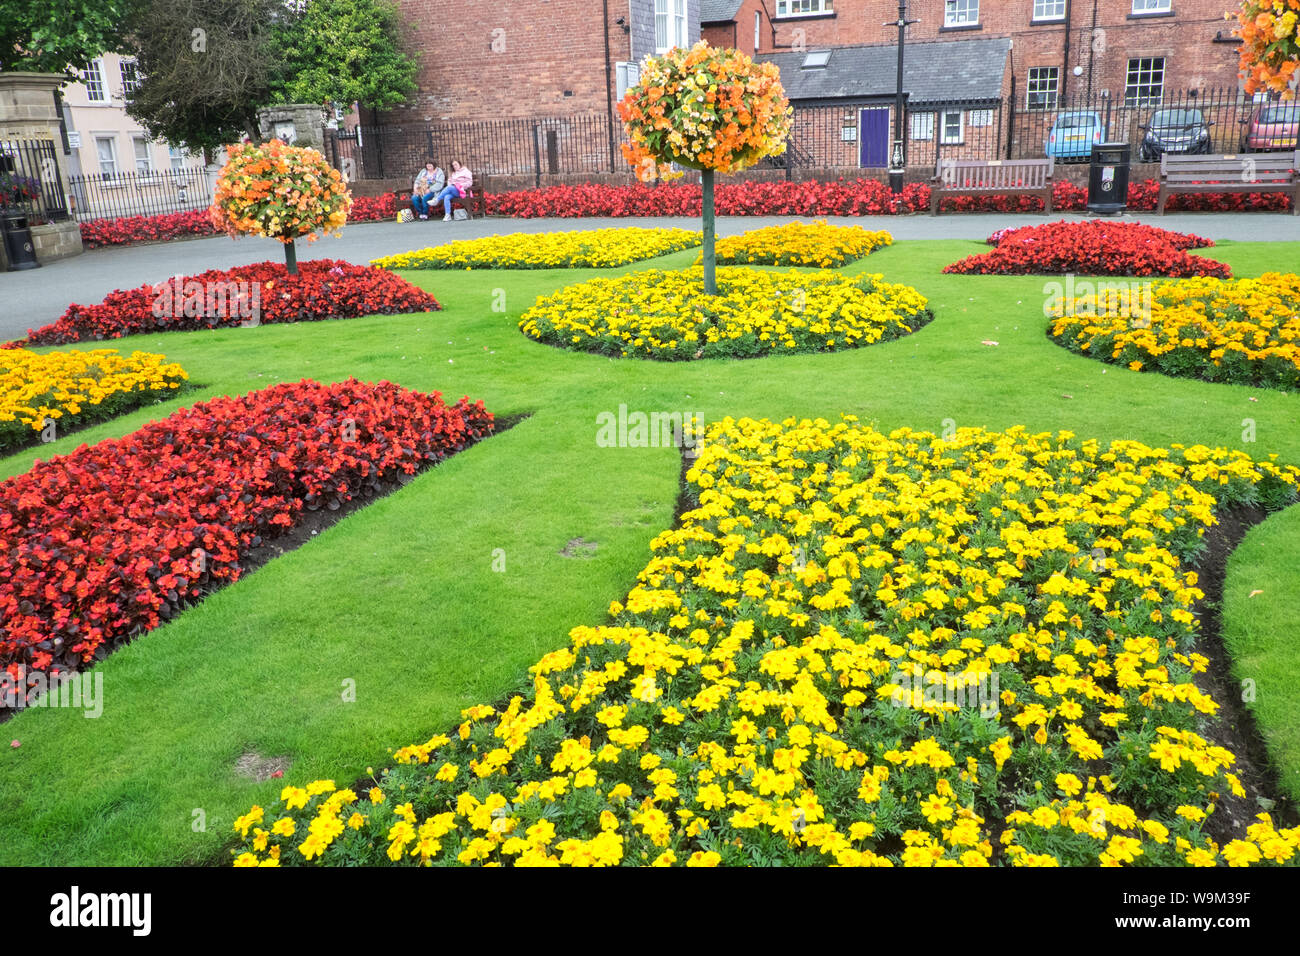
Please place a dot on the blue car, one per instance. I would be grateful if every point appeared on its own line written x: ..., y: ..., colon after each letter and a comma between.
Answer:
x: 1072, y: 135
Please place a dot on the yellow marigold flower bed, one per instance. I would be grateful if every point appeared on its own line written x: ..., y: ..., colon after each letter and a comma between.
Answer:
x: 801, y: 244
x: 666, y: 315
x: 587, y: 248
x: 71, y: 388
x: 857, y: 649
x: 1240, y: 331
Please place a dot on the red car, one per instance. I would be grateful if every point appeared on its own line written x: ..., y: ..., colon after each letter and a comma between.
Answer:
x: 1272, y: 126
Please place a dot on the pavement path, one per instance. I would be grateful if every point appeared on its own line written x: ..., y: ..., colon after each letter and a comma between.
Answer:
x: 36, y: 297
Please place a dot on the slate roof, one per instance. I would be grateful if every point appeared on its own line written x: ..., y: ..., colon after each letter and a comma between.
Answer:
x: 937, y: 71
x: 719, y: 11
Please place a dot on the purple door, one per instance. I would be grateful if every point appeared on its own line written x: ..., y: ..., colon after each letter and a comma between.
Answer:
x: 873, y: 139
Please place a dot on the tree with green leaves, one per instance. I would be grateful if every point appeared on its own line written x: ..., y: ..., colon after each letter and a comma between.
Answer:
x: 342, y: 52
x: 60, y: 36
x: 205, y: 69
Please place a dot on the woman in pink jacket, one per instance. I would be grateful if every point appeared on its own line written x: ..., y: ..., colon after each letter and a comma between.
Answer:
x: 457, y: 188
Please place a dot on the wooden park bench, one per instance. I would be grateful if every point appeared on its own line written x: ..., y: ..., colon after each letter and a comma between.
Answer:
x: 475, y: 203
x: 991, y: 177
x: 1230, y: 173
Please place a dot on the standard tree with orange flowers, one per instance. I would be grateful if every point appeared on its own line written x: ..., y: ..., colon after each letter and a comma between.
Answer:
x: 1270, y: 49
x: 279, y: 191
x: 707, y: 109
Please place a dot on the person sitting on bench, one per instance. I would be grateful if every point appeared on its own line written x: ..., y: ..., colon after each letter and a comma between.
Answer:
x: 458, y: 187
x: 428, y: 183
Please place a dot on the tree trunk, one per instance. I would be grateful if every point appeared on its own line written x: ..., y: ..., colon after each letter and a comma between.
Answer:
x: 710, y: 259
x: 291, y: 258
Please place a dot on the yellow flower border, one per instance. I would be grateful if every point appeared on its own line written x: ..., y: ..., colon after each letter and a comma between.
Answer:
x: 746, y: 705
x: 666, y: 315
x: 586, y: 248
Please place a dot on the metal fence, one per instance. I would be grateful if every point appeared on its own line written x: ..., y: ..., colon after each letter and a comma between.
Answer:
x: 1226, y: 115
x: 113, y: 195
x: 510, y: 147
x: 844, y: 136
x: 31, y: 182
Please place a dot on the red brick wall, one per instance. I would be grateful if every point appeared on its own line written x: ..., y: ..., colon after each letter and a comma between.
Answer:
x: 740, y: 34
x: 482, y: 59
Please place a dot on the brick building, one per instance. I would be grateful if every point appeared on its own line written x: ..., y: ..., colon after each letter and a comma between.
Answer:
x: 1127, y: 47
x: 487, y: 59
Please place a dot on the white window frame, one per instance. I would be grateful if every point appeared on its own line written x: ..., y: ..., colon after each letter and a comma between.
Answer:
x: 1130, y: 71
x: 920, y: 127
x: 99, y: 156
x: 959, y: 13
x: 145, y: 171
x: 980, y: 118
x: 1048, y: 11
x: 129, y: 86
x: 670, y: 25
x: 92, y: 78
x: 758, y: 27
x: 176, y: 158
x: 1035, y: 85
x: 1141, y: 7
x: 943, y: 127
x: 791, y: 9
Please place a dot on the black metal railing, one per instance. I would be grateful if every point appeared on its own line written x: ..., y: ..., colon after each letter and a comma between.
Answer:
x: 114, y: 195
x: 507, y: 147
x: 31, y: 182
x: 1192, y: 120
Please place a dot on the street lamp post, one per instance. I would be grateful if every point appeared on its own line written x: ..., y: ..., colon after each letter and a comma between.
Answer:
x: 897, y: 158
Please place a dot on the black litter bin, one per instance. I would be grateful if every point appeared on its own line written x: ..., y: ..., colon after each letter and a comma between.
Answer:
x: 1108, y: 178
x: 18, y: 242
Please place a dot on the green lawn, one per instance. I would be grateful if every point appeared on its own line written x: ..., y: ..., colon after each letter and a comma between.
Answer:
x: 401, y: 596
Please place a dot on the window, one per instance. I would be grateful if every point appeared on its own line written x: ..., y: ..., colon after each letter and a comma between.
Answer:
x: 1049, y: 9
x: 130, y: 79
x: 957, y: 13
x: 803, y: 8
x: 952, y: 127
x: 922, y: 127
x: 177, y: 158
x: 816, y: 60
x: 143, y: 156
x: 106, y: 150
x: 758, y: 23
x: 627, y: 76
x: 93, y: 78
x: 1150, y: 6
x: 1146, y: 81
x: 1040, y: 91
x: 981, y: 118
x: 670, y: 24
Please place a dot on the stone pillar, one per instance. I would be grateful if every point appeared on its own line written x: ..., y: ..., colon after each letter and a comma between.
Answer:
x: 299, y: 124
x: 28, y: 111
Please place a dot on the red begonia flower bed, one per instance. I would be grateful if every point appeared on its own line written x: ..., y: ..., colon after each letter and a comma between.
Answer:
x: 104, y: 544
x: 196, y: 222
x: 262, y: 293
x: 1094, y: 247
x: 844, y: 197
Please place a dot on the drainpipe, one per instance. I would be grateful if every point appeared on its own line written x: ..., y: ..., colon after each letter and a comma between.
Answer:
x: 1065, y: 67
x: 609, y: 83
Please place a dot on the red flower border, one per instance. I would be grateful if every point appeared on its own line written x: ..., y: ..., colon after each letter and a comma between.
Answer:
x: 322, y: 289
x: 104, y: 544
